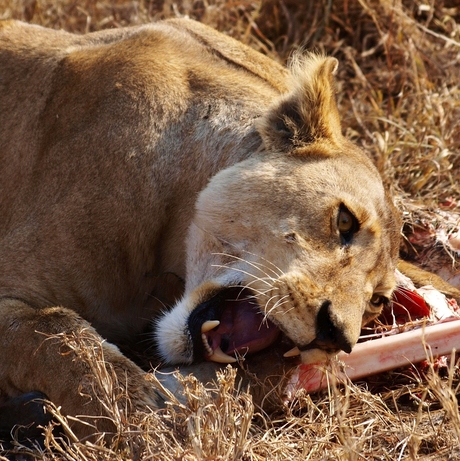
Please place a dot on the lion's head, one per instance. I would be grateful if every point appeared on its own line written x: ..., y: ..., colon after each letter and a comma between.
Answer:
x: 299, y: 238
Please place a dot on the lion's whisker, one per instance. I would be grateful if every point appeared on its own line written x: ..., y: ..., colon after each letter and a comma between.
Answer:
x: 278, y: 271
x: 277, y: 304
x: 277, y: 274
x: 251, y: 263
x: 250, y: 287
x: 236, y: 269
x: 254, y: 292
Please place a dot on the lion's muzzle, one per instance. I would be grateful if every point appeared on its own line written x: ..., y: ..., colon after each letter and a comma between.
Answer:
x: 330, y: 336
x: 231, y: 323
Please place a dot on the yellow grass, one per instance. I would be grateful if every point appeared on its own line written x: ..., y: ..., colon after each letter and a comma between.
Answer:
x: 399, y: 96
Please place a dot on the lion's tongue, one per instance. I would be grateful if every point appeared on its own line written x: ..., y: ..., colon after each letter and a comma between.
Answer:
x: 242, y: 329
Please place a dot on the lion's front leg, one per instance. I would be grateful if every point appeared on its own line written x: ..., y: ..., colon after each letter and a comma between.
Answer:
x: 57, y: 353
x: 421, y: 277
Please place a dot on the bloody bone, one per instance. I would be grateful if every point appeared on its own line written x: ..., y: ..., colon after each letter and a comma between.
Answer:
x: 379, y: 355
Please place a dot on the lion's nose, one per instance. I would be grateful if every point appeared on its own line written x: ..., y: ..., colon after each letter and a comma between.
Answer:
x: 330, y: 336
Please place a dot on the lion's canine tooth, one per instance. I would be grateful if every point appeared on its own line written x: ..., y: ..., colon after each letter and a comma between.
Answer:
x: 292, y: 353
x: 209, y: 325
x: 220, y: 356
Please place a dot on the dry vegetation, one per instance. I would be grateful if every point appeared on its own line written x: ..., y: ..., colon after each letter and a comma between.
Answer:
x: 399, y: 94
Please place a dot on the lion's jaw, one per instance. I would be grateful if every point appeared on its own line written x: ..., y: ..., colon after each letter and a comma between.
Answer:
x: 262, y: 226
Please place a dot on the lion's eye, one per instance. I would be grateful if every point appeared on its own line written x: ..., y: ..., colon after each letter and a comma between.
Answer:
x: 347, y: 224
x: 345, y: 221
x: 378, y: 300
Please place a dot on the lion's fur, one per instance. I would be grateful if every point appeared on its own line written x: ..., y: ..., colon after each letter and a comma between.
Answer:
x: 136, y: 159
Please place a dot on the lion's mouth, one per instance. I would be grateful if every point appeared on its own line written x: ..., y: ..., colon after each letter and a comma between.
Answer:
x: 230, y: 323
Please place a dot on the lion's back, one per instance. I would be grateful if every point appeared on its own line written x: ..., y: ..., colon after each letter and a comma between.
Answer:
x: 107, y: 139
x: 171, y: 65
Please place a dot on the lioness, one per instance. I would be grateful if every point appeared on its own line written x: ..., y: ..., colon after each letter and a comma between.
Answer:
x: 139, y: 159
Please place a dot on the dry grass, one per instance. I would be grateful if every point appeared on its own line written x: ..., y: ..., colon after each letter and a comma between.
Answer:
x: 419, y: 420
x: 400, y: 99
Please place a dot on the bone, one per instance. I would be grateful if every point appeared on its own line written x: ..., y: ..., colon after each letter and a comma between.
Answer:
x: 378, y: 356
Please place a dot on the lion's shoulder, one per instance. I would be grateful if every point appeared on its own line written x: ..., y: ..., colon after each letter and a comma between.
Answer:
x: 233, y: 51
x: 161, y: 41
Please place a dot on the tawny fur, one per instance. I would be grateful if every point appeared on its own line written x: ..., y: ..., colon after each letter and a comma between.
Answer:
x: 136, y: 159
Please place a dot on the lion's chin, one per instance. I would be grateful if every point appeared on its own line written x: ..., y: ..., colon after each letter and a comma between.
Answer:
x: 229, y: 325
x: 312, y: 356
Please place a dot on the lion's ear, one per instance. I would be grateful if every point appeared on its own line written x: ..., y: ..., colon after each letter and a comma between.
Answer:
x: 309, y: 112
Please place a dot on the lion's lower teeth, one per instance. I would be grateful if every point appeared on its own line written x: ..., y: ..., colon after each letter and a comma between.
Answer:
x: 206, y: 345
x: 220, y: 356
